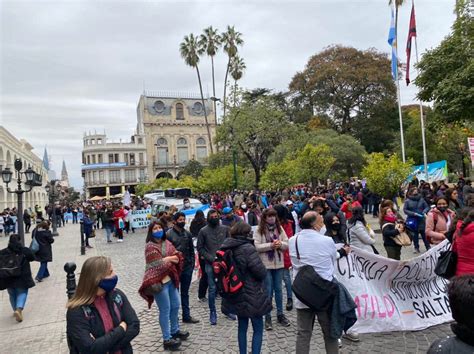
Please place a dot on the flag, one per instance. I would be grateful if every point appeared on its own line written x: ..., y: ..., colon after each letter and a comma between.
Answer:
x: 411, y: 34
x: 392, y: 40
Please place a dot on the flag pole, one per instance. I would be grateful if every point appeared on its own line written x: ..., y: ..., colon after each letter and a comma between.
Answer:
x: 422, y: 119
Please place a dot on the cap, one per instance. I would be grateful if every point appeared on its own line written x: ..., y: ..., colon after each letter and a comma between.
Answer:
x: 227, y: 210
x: 289, y: 202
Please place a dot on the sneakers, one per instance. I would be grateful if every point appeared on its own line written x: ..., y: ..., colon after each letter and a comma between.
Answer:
x: 38, y: 280
x: 202, y: 299
x: 120, y: 240
x: 289, y: 304
x: 109, y: 241
x: 268, y: 324
x: 353, y: 337
x: 172, y: 344
x: 18, y: 315
x: 339, y: 343
x: 181, y: 335
x: 191, y: 320
x: 213, y: 318
x: 416, y: 251
x: 283, y: 321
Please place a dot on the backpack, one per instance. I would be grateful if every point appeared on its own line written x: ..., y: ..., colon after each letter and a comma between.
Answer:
x: 227, y: 276
x: 10, y: 265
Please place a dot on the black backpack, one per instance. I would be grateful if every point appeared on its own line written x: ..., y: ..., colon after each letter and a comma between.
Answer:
x: 10, y: 265
x: 227, y: 276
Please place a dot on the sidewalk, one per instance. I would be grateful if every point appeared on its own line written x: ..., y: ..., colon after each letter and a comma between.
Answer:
x: 44, y: 325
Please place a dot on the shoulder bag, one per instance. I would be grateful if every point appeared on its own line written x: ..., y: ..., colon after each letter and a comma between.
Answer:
x: 447, y: 263
x: 402, y: 239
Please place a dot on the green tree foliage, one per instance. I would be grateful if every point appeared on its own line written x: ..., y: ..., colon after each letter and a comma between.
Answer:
x: 222, y: 179
x: 280, y: 175
x: 313, y: 163
x: 385, y: 175
x: 447, y: 71
x: 193, y: 169
x: 166, y: 183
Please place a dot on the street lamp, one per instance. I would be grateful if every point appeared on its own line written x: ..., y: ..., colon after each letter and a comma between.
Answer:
x: 462, y: 150
x: 54, y: 190
x: 32, y: 179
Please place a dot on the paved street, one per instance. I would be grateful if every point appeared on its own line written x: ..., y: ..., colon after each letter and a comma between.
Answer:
x: 44, y: 325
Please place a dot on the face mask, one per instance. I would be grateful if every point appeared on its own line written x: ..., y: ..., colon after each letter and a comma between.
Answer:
x: 323, y: 230
x: 181, y: 225
x: 390, y: 218
x: 336, y: 227
x: 271, y: 220
x: 108, y: 284
x: 442, y: 209
x: 158, y: 234
x: 243, y: 206
x: 187, y: 205
x: 213, y: 221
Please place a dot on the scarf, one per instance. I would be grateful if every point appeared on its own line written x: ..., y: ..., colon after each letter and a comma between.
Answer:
x: 156, y: 269
x: 272, y: 234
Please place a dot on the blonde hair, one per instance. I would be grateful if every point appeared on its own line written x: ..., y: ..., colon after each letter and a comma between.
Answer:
x: 93, y: 271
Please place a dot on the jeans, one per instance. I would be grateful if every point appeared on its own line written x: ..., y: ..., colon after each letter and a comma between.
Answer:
x: 185, y: 283
x: 74, y: 218
x: 393, y: 252
x: 108, y: 232
x: 167, y: 301
x: 257, y: 337
x: 305, y: 323
x: 43, y: 271
x: 17, y: 297
x: 273, y: 284
x: 212, y: 287
x: 203, y: 281
x: 287, y: 281
x: 416, y: 239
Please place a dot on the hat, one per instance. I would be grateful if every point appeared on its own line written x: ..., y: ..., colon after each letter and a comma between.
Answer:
x: 289, y: 202
x: 227, y: 210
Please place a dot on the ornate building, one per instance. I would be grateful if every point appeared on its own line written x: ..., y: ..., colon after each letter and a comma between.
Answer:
x: 175, y: 130
x: 64, y: 176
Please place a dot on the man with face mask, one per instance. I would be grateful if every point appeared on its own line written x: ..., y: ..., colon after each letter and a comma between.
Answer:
x: 210, y: 239
x: 229, y: 218
x: 186, y: 204
x: 415, y: 209
x: 182, y: 240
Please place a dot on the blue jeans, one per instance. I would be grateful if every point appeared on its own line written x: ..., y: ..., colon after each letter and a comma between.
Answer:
x: 17, y: 297
x: 185, y: 283
x: 257, y: 338
x: 273, y: 284
x: 108, y: 232
x: 167, y: 301
x: 423, y: 237
x: 43, y: 271
x: 212, y: 287
x: 287, y: 281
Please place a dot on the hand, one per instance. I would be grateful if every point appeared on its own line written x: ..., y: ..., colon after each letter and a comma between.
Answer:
x: 172, y: 259
x: 347, y: 248
x: 123, y: 325
x: 277, y: 244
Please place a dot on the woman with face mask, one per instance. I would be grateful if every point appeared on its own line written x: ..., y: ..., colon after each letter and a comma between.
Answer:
x: 390, y: 229
x: 415, y: 208
x: 438, y: 221
x: 100, y: 318
x: 333, y: 228
x: 164, y: 265
x: 359, y: 234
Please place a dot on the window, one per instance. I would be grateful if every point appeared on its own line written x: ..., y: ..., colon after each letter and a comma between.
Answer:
x: 201, y: 149
x: 116, y: 158
x: 111, y: 158
x: 101, y: 177
x: 197, y: 107
x: 130, y: 176
x: 182, y: 141
x: 162, y: 156
x: 132, y: 159
x: 93, y: 159
x: 101, y: 160
x: 88, y: 159
x: 142, y: 174
x: 159, y: 106
x: 93, y: 141
x: 179, y: 111
x: 182, y: 151
x: 114, y: 176
x: 83, y: 159
x: 140, y: 140
x: 140, y: 159
x: 94, y: 177
x: 99, y: 141
x: 161, y: 141
x: 125, y: 158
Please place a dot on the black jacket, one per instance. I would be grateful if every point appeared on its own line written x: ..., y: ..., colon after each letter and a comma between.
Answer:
x: 183, y: 242
x: 252, y: 218
x: 45, y: 239
x: 210, y: 239
x: 389, y: 232
x: 252, y: 300
x: 84, y: 322
x: 196, y: 226
x: 24, y: 280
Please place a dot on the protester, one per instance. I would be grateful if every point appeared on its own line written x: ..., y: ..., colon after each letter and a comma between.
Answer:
x: 45, y: 253
x: 229, y: 218
x: 182, y: 240
x: 271, y: 241
x: 252, y: 302
x: 210, y: 239
x: 453, y: 203
x: 27, y: 221
x: 390, y: 229
x: 100, y: 318
x: 461, y: 298
x: 415, y: 209
x: 17, y: 286
x: 359, y: 234
x: 108, y: 223
x: 252, y: 215
x: 119, y: 215
x: 320, y: 252
x: 333, y: 228
x: 463, y: 243
x: 88, y: 227
x: 439, y: 221
x: 197, y: 224
x: 348, y: 205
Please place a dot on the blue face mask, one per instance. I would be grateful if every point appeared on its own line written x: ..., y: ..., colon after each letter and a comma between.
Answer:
x: 158, y: 234
x: 108, y: 284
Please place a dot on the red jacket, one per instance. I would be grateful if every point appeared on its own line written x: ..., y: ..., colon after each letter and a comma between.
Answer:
x: 288, y: 227
x: 464, y: 247
x: 118, y: 214
x: 346, y: 208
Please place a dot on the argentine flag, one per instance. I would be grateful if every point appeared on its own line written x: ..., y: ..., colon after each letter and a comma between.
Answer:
x: 392, y: 40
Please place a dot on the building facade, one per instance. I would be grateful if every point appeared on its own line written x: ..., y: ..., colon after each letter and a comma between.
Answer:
x: 11, y: 149
x: 109, y: 167
x: 175, y: 130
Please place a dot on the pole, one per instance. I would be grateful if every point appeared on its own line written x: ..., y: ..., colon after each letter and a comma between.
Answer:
x: 69, y: 268
x: 234, y: 160
x: 402, y: 140
x: 19, y: 219
x: 83, y: 242
x: 55, y: 220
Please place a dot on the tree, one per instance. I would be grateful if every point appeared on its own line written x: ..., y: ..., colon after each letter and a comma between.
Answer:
x: 231, y: 40
x: 210, y: 42
x: 237, y: 68
x: 166, y: 183
x: 190, y: 51
x: 193, y: 169
x: 313, y: 163
x: 344, y: 83
x: 385, y: 175
x: 222, y: 179
x: 278, y: 176
x: 446, y: 73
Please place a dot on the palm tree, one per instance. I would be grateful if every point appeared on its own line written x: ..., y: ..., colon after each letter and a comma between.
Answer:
x: 190, y: 52
x: 210, y: 42
x: 237, y: 68
x: 231, y: 39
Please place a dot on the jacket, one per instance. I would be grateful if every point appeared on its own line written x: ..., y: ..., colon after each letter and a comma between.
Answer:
x: 263, y: 247
x: 252, y: 300
x: 389, y: 232
x: 88, y: 225
x: 45, y: 239
x: 461, y: 343
x: 25, y: 279
x: 195, y: 227
x: 413, y: 207
x: 463, y: 245
x: 183, y: 242
x: 343, y: 315
x: 210, y: 239
x: 86, y: 333
x: 360, y: 238
x: 437, y: 225
x: 252, y: 218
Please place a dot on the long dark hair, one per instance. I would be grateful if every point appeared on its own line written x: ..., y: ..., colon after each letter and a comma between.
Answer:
x: 467, y: 216
x: 262, y: 224
x: 357, y: 215
x: 149, y: 237
x: 328, y: 218
x: 199, y: 217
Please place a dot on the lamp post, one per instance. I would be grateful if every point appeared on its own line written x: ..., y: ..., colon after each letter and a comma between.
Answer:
x: 462, y: 150
x: 32, y: 180
x: 53, y: 189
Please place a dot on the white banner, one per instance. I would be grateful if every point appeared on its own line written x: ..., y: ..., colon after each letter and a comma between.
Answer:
x: 140, y: 218
x: 395, y: 295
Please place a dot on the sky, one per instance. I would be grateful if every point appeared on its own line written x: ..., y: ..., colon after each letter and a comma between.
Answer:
x: 70, y: 67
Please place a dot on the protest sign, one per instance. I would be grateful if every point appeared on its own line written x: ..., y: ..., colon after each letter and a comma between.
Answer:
x: 140, y: 218
x: 395, y: 295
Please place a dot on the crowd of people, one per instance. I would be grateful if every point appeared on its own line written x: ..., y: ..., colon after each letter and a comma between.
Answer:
x: 271, y: 237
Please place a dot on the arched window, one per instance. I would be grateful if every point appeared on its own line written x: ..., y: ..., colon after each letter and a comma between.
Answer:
x: 182, y: 151
x: 159, y: 106
x: 197, y: 107
x: 162, y: 146
x: 201, y: 149
x: 161, y: 141
x: 179, y: 111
